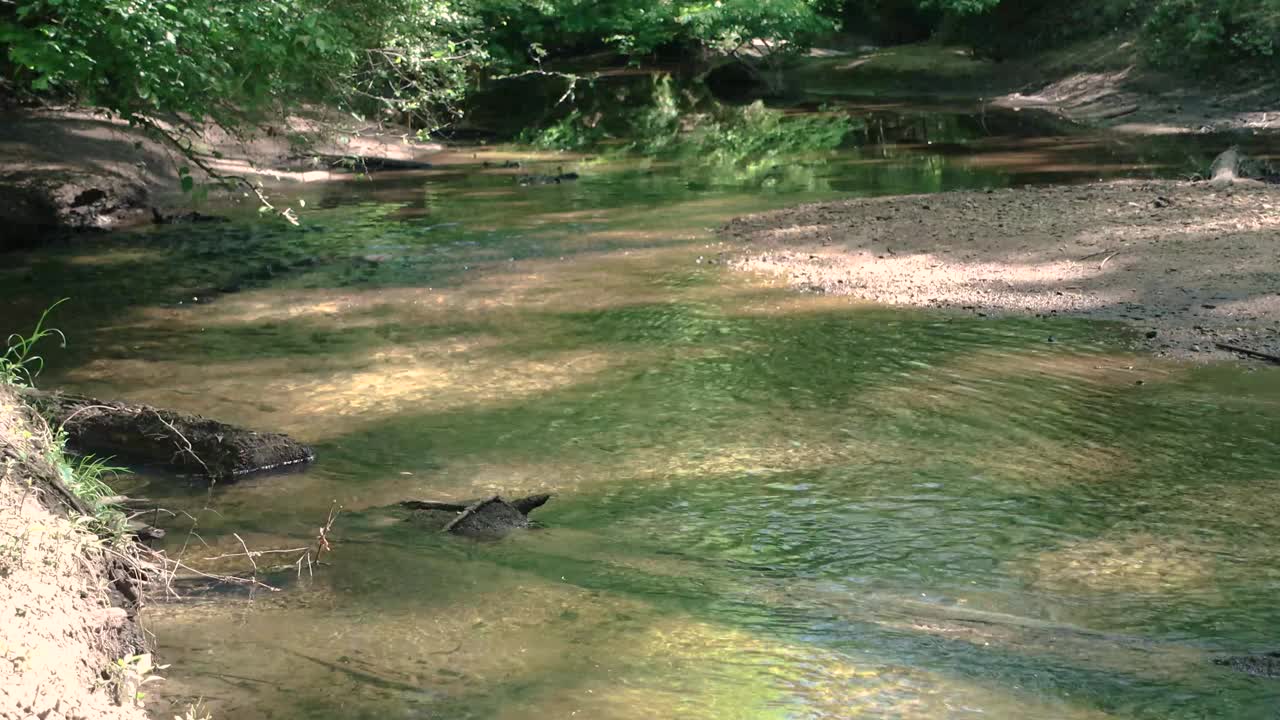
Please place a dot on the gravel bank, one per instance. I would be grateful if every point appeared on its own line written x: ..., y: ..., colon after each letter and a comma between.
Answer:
x: 1188, y: 265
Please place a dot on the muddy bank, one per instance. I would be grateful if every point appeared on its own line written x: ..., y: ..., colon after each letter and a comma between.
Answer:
x: 1187, y: 265
x: 73, y: 169
x: 62, y: 627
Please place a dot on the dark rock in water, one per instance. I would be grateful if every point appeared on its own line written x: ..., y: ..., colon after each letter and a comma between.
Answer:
x: 185, y: 218
x: 560, y: 177
x: 490, y: 517
x: 359, y: 163
x: 1265, y: 666
x: 144, y: 532
x: 385, y: 163
x: 527, y: 505
x: 177, y: 441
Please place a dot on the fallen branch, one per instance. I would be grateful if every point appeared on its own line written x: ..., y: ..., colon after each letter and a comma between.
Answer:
x: 194, y: 158
x: 1257, y: 354
x: 251, y: 554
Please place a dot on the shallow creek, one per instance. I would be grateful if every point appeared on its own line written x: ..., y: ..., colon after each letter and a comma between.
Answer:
x: 768, y: 504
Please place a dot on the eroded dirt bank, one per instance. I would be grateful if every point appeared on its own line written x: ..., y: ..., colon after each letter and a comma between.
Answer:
x: 84, y: 170
x: 61, y: 635
x: 1188, y: 265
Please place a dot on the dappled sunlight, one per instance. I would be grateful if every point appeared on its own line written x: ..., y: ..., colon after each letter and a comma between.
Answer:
x: 317, y: 397
x: 1050, y: 162
x: 958, y: 393
x: 860, y: 272
x: 1129, y: 563
x: 793, y: 680
x: 768, y: 503
x: 115, y: 256
x: 380, y: 655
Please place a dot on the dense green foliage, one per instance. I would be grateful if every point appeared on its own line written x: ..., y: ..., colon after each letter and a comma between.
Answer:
x: 716, y: 144
x: 1205, y: 34
x: 636, y: 27
x: 1191, y: 34
x: 227, y: 60
x: 418, y: 58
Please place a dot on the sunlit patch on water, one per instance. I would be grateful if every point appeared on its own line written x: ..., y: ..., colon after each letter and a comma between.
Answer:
x: 1137, y: 563
x: 768, y: 504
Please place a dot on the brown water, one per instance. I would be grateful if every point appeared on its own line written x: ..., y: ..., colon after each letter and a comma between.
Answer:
x: 768, y: 505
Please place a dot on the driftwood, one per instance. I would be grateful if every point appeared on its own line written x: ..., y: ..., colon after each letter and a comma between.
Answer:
x: 145, y: 435
x: 1247, y: 352
x: 490, y: 517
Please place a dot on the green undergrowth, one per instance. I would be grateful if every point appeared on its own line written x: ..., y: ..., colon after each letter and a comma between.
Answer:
x: 84, y: 475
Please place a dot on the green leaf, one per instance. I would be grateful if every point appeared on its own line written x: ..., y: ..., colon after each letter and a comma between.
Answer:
x: 188, y: 183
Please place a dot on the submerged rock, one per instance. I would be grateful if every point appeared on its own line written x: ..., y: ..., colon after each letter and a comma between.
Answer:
x: 184, y: 218
x: 1266, y: 665
x: 556, y: 179
x: 490, y: 517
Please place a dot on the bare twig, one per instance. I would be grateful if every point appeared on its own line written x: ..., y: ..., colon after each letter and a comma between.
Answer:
x: 251, y: 554
x: 80, y: 410
x: 247, y: 554
x: 308, y: 557
x: 1096, y: 254
x: 571, y: 78
x: 1257, y: 354
x: 188, y: 449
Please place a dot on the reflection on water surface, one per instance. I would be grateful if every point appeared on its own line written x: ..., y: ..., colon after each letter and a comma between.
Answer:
x: 769, y: 505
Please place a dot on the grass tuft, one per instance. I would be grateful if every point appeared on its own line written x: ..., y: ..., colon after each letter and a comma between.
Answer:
x: 84, y: 475
x: 20, y: 365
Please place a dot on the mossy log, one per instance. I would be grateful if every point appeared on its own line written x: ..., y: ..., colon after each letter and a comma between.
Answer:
x: 144, y: 435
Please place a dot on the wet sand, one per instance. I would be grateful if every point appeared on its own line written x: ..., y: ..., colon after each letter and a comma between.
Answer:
x: 1188, y: 265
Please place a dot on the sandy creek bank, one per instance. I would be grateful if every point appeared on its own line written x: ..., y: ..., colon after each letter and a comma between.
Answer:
x: 63, y: 628
x: 1186, y: 265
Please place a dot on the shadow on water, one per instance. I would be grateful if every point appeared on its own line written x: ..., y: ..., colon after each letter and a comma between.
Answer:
x: 768, y: 504
x: 1005, y: 546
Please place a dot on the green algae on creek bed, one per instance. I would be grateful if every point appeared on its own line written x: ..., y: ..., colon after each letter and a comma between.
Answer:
x: 769, y: 504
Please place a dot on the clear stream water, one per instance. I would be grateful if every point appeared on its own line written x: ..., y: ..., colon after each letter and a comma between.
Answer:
x: 768, y: 504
